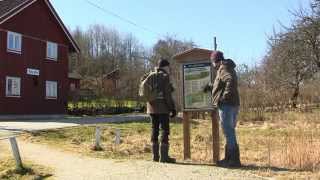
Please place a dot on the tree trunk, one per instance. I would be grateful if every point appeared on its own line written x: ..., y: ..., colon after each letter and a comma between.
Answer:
x: 294, y: 96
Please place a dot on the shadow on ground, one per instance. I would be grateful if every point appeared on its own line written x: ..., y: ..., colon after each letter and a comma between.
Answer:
x: 249, y: 167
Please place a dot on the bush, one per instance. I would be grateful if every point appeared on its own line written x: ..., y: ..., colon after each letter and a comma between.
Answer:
x: 102, y: 108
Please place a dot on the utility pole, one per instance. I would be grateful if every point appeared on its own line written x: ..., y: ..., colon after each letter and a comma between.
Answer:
x: 215, y: 43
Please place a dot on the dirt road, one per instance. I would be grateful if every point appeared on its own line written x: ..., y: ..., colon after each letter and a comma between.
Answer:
x: 69, y: 166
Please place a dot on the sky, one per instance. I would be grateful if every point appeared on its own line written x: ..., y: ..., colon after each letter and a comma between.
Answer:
x: 241, y: 26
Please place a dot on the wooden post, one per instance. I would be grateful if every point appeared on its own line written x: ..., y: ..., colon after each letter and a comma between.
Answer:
x: 16, y: 153
x: 186, y: 136
x: 117, y: 138
x: 215, y: 43
x: 215, y: 137
x: 97, y: 146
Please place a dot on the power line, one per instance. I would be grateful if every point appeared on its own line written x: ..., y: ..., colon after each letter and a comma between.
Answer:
x: 121, y: 18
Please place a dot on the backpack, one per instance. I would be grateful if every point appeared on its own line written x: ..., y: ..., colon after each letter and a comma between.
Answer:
x: 149, y: 88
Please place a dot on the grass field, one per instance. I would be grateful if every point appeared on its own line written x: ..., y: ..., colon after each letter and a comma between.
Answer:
x: 284, y: 145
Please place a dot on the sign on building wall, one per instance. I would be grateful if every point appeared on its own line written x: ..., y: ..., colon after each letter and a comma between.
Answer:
x: 33, y: 72
x: 195, y: 77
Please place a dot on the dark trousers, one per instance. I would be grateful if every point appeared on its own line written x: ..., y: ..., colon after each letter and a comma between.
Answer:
x: 160, y: 121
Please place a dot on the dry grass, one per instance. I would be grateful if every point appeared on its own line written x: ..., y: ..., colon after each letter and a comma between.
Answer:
x: 288, y: 140
x: 134, y: 140
x: 5, y: 133
x: 302, y: 153
x: 284, y: 145
x: 30, y: 171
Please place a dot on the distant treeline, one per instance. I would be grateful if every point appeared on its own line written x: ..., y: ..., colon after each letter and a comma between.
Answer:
x: 288, y: 74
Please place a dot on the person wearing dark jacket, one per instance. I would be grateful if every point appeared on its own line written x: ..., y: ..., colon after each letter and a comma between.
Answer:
x: 160, y: 110
x: 225, y: 97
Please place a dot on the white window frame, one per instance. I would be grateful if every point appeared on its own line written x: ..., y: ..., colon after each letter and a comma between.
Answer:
x: 52, y: 51
x: 51, y: 90
x: 17, y: 92
x: 14, y: 46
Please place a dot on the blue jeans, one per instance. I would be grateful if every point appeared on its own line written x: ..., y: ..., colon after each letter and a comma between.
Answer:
x: 228, y: 118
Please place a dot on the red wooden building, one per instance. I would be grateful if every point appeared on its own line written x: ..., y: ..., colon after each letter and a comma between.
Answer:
x: 111, y: 83
x: 34, y: 49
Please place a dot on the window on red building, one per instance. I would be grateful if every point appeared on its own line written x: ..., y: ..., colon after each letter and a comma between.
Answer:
x: 14, y: 42
x: 51, y: 89
x: 52, y: 51
x: 13, y: 86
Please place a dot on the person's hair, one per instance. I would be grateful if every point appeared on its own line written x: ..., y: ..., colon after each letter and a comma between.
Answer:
x: 217, y: 56
x: 163, y: 63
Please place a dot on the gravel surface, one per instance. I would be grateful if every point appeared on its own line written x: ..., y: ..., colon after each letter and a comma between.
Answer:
x: 44, y: 124
x: 68, y: 166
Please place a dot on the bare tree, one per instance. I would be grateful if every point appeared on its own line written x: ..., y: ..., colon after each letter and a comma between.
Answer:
x: 307, y: 23
x: 288, y: 64
x: 104, y: 50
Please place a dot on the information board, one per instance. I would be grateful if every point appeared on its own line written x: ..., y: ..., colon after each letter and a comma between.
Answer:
x: 195, y: 77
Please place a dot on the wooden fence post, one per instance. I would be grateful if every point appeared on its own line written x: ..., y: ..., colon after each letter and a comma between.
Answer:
x: 215, y: 137
x: 117, y: 138
x: 186, y: 136
x: 97, y: 146
x: 16, y: 153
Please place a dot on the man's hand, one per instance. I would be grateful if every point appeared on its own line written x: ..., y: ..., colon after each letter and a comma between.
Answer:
x: 173, y: 113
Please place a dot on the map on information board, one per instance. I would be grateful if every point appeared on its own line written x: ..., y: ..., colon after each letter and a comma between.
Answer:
x: 195, y: 78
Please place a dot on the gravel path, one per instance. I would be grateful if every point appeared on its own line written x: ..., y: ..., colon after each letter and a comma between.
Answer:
x: 44, y: 124
x: 69, y: 166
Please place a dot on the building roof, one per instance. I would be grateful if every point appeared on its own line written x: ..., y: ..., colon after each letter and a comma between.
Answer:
x: 10, y: 8
x: 115, y: 74
x: 7, y: 6
x: 189, y: 52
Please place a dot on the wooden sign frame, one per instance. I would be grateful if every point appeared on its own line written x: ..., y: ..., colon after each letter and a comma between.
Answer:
x: 187, y: 112
x: 196, y: 56
x: 215, y: 135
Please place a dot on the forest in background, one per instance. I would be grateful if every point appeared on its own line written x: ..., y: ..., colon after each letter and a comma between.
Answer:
x: 287, y: 75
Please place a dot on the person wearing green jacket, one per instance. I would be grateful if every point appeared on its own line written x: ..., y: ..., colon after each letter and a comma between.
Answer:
x: 160, y: 110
